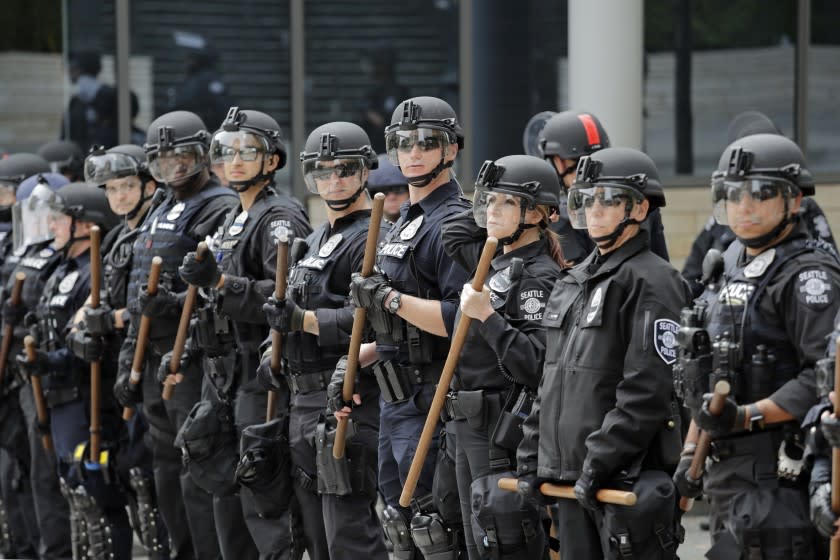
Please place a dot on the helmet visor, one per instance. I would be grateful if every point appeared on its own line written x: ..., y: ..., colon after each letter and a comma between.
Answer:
x: 227, y: 145
x: 30, y: 216
x: 403, y: 141
x: 333, y: 178
x: 104, y: 167
x: 755, y: 189
x: 501, y: 210
x: 584, y: 196
x: 178, y: 163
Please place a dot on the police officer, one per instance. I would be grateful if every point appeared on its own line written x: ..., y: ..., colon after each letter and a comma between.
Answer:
x: 94, y: 503
x: 412, y: 304
x: 194, y: 207
x: 129, y: 187
x: 65, y: 157
x: 719, y: 236
x: 602, y: 411
x: 336, y: 497
x: 389, y: 180
x: 500, y: 365
x: 32, y: 256
x: 565, y: 138
x: 768, y: 313
x: 13, y: 170
x: 230, y: 326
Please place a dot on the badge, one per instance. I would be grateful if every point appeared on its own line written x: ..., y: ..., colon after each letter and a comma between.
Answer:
x: 500, y: 282
x: 68, y: 282
x: 665, y: 339
x: 281, y: 234
x: 814, y: 288
x: 46, y: 252
x: 594, y: 304
x: 176, y: 211
x: 238, y: 223
x: 759, y: 264
x: 410, y: 230
x: 327, y: 248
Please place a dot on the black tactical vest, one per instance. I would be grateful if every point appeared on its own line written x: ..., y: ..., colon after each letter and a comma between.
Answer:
x: 116, y: 265
x: 309, y: 287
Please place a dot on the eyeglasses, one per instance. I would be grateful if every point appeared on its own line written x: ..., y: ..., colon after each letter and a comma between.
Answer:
x: 342, y: 170
x: 247, y: 153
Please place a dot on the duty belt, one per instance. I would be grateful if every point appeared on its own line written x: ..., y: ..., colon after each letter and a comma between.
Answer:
x: 397, y: 382
x: 454, y: 407
x: 309, y: 382
x: 753, y: 444
x: 56, y: 396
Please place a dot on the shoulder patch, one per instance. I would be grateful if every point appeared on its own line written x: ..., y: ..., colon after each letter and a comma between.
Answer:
x: 68, y: 282
x: 814, y: 288
x: 665, y: 339
x: 532, y: 303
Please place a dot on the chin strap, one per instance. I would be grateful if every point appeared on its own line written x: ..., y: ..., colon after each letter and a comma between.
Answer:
x: 425, y: 179
x: 242, y: 186
x: 137, y: 207
x: 514, y: 237
x: 767, y: 238
x: 607, y: 241
x: 66, y: 249
x: 344, y: 203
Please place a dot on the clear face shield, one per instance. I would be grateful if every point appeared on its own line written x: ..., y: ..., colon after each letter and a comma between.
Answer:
x: 30, y: 217
x: 584, y: 196
x: 403, y: 141
x: 498, y: 211
x: 227, y: 145
x: 174, y: 165
x: 100, y: 168
x: 740, y: 200
x: 334, y: 179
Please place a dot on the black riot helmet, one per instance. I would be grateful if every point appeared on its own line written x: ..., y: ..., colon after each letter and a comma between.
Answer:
x: 125, y: 160
x: 530, y: 179
x: 83, y: 202
x: 18, y: 167
x: 428, y: 122
x: 749, y: 123
x: 65, y: 157
x: 340, y: 148
x: 614, y: 176
x: 761, y: 166
x: 572, y: 135
x: 176, y: 147
x: 251, y: 135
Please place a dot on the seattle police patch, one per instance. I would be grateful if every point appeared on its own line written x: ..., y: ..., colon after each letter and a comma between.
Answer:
x: 814, y: 288
x: 665, y: 339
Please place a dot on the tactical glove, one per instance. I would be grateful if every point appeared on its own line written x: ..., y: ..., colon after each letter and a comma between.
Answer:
x: 99, y: 321
x: 127, y: 393
x: 529, y: 488
x: 731, y: 418
x: 267, y: 380
x: 13, y: 314
x: 687, y: 486
x: 33, y: 369
x: 283, y: 315
x: 822, y: 516
x: 369, y: 292
x: 204, y: 274
x: 86, y: 347
x: 830, y: 427
x: 335, y: 390
x: 163, y: 370
x: 586, y: 487
x: 162, y: 304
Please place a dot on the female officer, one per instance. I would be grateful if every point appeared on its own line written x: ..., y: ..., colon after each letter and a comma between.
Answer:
x: 506, y: 344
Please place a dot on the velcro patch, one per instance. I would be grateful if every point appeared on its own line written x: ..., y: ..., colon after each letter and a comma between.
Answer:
x: 665, y: 339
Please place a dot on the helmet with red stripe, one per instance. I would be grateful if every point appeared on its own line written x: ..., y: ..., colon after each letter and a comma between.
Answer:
x: 572, y: 135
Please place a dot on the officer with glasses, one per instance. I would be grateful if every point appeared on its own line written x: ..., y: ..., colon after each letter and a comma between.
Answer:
x: 767, y: 310
x: 604, y: 417
x: 411, y: 303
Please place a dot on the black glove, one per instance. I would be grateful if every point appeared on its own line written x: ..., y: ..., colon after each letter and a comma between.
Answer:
x: 335, y: 390
x: 99, y: 321
x: 86, y: 347
x: 13, y: 314
x: 830, y: 427
x: 529, y: 488
x: 687, y: 487
x: 163, y: 369
x: 821, y: 515
x: 33, y: 369
x: 127, y: 394
x: 266, y: 377
x: 162, y: 304
x: 731, y: 416
x: 585, y: 489
x: 283, y: 315
x: 204, y: 274
x: 369, y: 292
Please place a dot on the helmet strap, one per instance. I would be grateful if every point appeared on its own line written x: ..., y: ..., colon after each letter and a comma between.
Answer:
x: 607, y: 241
x: 514, y: 237
x: 769, y: 237
x: 344, y: 203
x: 425, y: 179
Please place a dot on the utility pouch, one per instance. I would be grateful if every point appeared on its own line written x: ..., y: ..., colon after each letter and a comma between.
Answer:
x: 472, y: 404
x: 207, y: 440
x: 419, y: 346
x: 393, y: 384
x: 333, y: 474
x: 507, y: 433
x: 220, y: 371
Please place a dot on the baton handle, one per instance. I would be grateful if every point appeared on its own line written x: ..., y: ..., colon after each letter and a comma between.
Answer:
x: 604, y: 495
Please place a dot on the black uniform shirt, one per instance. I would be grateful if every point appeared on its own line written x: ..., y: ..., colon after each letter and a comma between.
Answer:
x: 607, y: 382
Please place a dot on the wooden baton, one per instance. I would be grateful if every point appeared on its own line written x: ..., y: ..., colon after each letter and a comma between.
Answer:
x: 604, y: 495
x: 143, y: 334
x: 38, y: 394
x: 359, y: 316
x: 835, y: 455
x: 201, y: 253
x: 96, y: 366
x: 433, y: 417
x: 281, y: 277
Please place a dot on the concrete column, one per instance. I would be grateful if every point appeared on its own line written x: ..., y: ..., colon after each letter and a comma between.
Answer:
x: 606, y: 46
